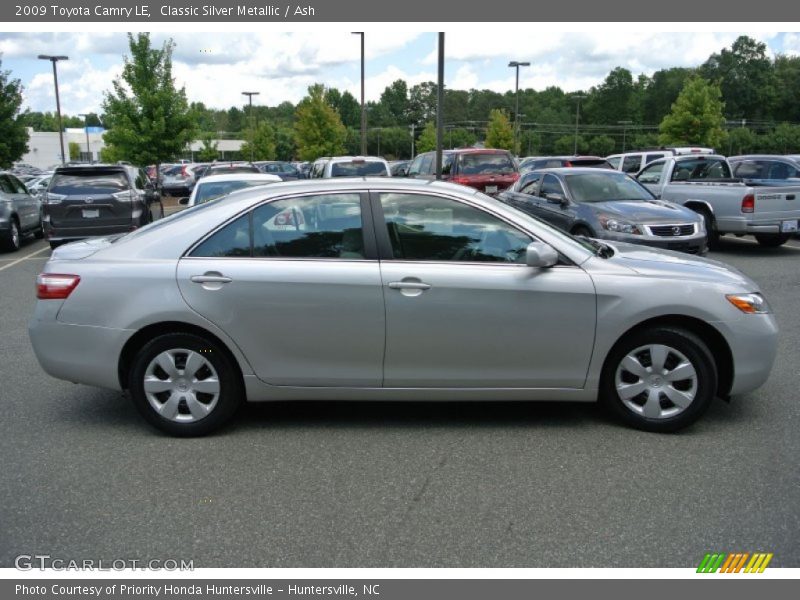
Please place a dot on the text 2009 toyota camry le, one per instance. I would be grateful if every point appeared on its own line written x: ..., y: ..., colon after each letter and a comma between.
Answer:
x: 391, y: 289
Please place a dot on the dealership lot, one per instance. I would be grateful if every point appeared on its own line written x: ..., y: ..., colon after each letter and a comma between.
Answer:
x: 406, y: 485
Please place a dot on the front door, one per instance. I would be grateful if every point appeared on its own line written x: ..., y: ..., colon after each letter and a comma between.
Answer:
x: 464, y: 311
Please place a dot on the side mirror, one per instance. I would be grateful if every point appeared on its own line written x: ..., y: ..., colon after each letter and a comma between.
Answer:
x: 184, y: 200
x: 556, y: 199
x: 540, y: 255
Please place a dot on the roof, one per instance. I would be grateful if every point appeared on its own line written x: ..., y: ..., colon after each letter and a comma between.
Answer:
x: 238, y: 177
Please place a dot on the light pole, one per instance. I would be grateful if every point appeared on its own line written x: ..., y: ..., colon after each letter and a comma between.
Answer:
x: 252, y: 129
x: 516, y: 65
x: 54, y: 60
x: 624, y: 131
x: 440, y: 106
x: 363, y: 108
x: 577, y: 97
x: 86, y: 129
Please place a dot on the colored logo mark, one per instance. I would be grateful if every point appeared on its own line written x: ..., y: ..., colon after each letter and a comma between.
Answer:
x: 735, y: 562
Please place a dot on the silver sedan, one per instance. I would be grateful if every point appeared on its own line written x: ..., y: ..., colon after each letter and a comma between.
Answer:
x: 393, y: 290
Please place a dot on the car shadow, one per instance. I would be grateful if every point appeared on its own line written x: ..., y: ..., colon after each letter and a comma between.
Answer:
x: 747, y: 244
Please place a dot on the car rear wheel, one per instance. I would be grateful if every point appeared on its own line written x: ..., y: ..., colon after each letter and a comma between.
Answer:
x: 185, y: 385
x: 772, y: 240
x: 659, y: 379
x: 11, y: 240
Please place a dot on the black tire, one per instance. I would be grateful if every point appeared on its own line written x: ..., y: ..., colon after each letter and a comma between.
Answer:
x: 230, y: 395
x: 584, y: 231
x: 772, y: 240
x: 684, y: 342
x: 712, y: 235
x: 39, y: 233
x: 11, y: 240
x: 54, y: 245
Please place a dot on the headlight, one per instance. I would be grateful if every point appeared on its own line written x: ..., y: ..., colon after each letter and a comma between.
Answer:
x: 752, y: 304
x: 619, y: 226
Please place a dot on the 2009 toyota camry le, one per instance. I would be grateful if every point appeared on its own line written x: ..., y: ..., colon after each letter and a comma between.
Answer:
x: 387, y: 289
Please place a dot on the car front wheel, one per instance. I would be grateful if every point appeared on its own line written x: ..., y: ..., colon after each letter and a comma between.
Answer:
x: 185, y: 385
x: 12, y: 239
x: 659, y: 379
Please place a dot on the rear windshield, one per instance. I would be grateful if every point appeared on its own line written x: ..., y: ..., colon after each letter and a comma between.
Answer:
x: 208, y: 191
x: 358, y: 169
x: 600, y: 163
x: 89, y: 182
x: 477, y: 164
x: 603, y: 187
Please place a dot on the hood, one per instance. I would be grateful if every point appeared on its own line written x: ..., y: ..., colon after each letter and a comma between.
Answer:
x: 645, y: 211
x: 83, y: 248
x: 655, y: 262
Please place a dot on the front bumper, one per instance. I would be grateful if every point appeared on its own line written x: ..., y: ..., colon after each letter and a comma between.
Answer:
x: 694, y: 244
x: 753, y: 340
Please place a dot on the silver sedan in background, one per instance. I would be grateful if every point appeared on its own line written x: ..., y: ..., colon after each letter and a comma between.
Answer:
x: 392, y: 289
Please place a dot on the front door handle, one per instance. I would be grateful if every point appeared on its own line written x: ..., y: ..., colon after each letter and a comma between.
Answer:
x: 409, y: 285
x: 209, y: 278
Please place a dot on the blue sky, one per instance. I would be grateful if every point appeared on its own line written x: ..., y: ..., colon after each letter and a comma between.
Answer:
x: 216, y: 66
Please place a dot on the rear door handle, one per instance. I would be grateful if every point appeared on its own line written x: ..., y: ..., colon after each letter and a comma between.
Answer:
x: 210, y: 279
x: 409, y: 285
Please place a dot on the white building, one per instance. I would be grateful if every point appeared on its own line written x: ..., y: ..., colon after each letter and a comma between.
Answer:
x: 44, y: 150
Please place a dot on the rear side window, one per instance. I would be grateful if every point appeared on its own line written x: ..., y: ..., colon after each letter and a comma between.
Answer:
x: 632, y: 164
x: 358, y: 169
x: 231, y: 241
x: 749, y: 169
x: 614, y: 161
x: 477, y: 163
x: 90, y: 182
x: 5, y: 185
x: 651, y: 157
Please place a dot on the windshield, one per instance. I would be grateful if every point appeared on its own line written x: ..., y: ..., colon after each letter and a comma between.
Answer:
x: 475, y: 163
x: 358, y: 169
x: 604, y: 187
x: 208, y: 191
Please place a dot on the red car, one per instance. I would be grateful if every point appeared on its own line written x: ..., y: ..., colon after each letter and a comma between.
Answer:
x: 485, y: 169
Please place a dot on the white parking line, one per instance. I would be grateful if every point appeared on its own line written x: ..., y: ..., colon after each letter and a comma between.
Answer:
x: 27, y: 256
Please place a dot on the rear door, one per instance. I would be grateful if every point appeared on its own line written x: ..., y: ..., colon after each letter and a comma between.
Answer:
x: 89, y: 197
x: 26, y: 205
x: 296, y: 283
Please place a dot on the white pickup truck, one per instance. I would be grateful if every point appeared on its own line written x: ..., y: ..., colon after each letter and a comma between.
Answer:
x: 704, y: 184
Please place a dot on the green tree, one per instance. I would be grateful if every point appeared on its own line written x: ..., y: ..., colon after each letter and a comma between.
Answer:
x: 741, y: 140
x: 74, y: 151
x: 565, y: 145
x: 499, y: 133
x: 284, y: 143
x: 260, y: 143
x: 318, y: 129
x: 612, y: 101
x: 148, y: 119
x: 696, y: 117
x: 602, y: 145
x: 209, y: 150
x: 427, y: 139
x: 13, y: 135
x: 784, y: 139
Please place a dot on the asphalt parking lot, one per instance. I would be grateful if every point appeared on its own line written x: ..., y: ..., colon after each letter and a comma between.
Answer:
x: 398, y: 485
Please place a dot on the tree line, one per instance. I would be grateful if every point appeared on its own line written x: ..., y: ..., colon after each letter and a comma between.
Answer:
x: 739, y: 100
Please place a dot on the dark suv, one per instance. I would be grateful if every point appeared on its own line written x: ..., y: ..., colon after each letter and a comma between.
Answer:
x: 96, y: 200
x: 488, y: 170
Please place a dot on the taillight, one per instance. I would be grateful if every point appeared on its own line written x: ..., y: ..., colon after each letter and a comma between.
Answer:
x: 54, y: 286
x: 459, y: 179
x: 183, y: 172
x: 749, y: 203
x: 567, y: 163
x: 514, y: 176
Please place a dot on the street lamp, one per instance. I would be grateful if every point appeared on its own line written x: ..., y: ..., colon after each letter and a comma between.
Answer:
x: 54, y: 60
x: 363, y: 110
x: 577, y: 97
x: 86, y: 129
x: 516, y: 65
x: 250, y: 98
x: 624, y: 131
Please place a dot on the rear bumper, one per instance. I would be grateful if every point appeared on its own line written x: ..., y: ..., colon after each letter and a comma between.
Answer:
x: 62, y: 234
x: 744, y: 226
x: 77, y: 353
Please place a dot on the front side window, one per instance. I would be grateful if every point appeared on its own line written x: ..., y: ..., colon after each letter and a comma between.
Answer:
x: 318, y: 226
x: 431, y: 228
x: 530, y: 184
x: 651, y: 173
x: 700, y: 168
x: 551, y: 185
